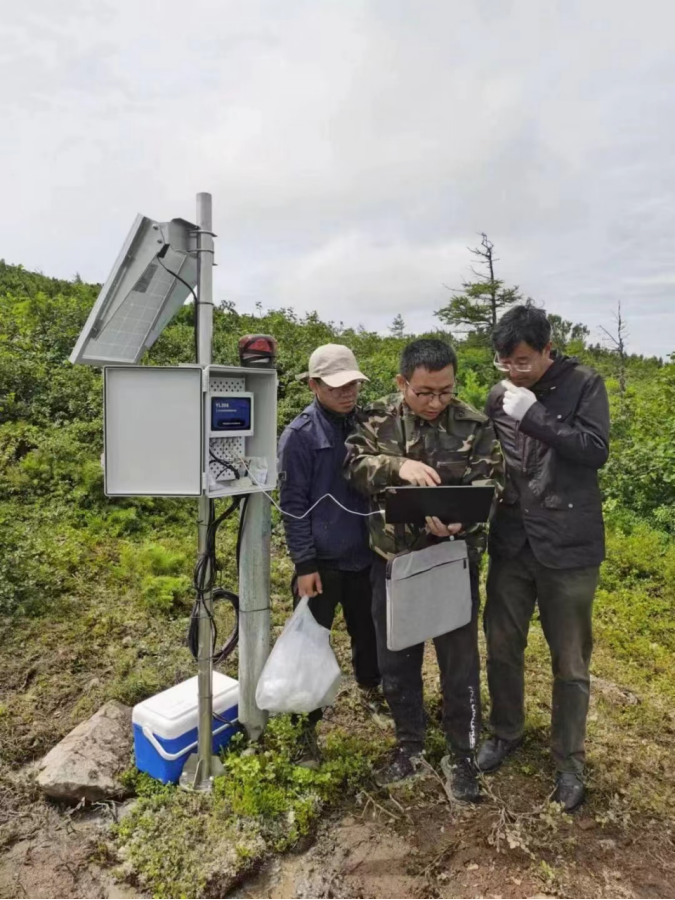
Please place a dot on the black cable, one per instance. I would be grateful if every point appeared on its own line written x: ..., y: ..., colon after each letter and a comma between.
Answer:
x: 205, y: 569
x: 204, y: 577
x: 162, y: 253
x: 226, y: 721
x: 228, y: 647
x: 224, y: 463
x: 240, y: 533
x: 176, y: 275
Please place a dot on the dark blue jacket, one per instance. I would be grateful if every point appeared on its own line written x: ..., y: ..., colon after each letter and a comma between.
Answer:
x: 311, y: 456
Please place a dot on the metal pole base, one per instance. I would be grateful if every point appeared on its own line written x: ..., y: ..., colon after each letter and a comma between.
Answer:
x: 254, y: 732
x: 191, y: 777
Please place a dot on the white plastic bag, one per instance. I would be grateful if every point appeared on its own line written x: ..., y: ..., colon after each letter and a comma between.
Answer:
x: 301, y: 673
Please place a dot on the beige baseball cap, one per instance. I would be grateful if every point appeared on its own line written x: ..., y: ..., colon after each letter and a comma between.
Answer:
x: 335, y: 365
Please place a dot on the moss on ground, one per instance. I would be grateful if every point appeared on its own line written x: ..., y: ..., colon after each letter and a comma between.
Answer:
x: 179, y: 844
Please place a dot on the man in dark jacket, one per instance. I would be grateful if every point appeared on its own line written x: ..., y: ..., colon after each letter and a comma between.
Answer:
x: 329, y: 545
x: 547, y: 539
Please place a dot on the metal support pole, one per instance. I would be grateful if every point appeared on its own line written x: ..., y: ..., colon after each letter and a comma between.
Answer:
x: 205, y: 275
x: 254, y: 610
x: 200, y: 767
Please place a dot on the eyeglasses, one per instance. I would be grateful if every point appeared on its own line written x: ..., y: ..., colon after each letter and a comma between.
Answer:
x: 428, y: 396
x: 508, y: 367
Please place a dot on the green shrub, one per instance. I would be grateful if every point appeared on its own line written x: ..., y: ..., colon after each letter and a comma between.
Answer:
x: 161, y: 592
x: 635, y: 604
x: 159, y: 574
x: 151, y: 559
x: 40, y: 557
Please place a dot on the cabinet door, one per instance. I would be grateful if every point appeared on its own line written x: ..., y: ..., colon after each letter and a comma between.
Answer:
x: 153, y: 431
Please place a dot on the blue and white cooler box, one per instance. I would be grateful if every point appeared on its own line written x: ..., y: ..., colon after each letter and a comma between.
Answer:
x: 165, y: 726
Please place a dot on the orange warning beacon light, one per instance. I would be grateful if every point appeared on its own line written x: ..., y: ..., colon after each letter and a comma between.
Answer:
x: 258, y: 351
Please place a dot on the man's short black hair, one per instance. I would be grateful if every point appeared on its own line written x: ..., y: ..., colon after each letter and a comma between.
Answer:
x: 525, y: 324
x: 431, y: 354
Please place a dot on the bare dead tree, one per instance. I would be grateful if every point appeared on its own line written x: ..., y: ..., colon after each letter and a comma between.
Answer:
x: 486, y: 253
x: 618, y: 339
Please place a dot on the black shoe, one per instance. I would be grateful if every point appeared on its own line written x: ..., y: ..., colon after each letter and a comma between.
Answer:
x: 462, y: 777
x: 403, y: 765
x: 494, y: 751
x: 310, y: 755
x: 569, y: 791
x: 373, y: 700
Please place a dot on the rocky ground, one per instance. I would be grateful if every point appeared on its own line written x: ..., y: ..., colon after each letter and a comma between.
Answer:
x: 412, y: 841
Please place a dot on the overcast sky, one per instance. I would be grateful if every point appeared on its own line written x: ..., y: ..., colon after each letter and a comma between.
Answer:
x: 354, y: 149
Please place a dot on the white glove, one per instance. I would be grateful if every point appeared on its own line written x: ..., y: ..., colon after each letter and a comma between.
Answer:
x: 517, y: 401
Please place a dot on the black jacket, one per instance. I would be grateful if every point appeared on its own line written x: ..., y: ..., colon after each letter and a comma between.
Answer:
x: 551, y: 496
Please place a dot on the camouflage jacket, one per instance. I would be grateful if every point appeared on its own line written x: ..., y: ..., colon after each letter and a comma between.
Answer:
x: 460, y: 445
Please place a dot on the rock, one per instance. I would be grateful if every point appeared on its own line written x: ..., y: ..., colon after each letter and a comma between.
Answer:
x: 86, y: 764
x: 613, y: 692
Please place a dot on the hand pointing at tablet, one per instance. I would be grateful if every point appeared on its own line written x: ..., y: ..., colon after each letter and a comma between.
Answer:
x: 418, y: 473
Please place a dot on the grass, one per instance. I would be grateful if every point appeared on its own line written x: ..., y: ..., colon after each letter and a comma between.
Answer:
x: 119, y: 633
x: 114, y: 629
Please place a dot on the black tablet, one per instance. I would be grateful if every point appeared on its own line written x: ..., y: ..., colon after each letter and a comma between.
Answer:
x: 410, y: 505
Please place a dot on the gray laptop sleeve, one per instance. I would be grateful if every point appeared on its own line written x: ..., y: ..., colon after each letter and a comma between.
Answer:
x: 428, y: 594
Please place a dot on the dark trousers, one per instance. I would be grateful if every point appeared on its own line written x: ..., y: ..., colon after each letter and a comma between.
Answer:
x: 458, y: 661
x: 352, y: 591
x: 565, y: 600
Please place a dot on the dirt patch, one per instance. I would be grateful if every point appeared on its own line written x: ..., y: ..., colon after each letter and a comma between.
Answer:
x: 349, y: 859
x: 48, y: 850
x: 411, y: 842
x: 614, y: 693
x: 433, y: 850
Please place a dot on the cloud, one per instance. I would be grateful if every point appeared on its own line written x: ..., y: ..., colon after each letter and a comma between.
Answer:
x: 360, y: 280
x: 354, y: 147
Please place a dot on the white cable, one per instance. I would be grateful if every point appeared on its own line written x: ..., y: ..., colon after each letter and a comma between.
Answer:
x: 305, y: 514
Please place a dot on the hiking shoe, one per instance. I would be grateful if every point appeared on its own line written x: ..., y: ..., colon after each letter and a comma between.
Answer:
x: 569, y: 791
x: 310, y: 755
x: 494, y: 751
x: 462, y: 778
x: 373, y: 700
x: 403, y: 764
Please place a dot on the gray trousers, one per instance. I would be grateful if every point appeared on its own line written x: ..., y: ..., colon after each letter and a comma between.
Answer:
x: 565, y: 601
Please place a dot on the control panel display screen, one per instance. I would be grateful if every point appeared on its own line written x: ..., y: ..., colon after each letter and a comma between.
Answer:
x: 230, y: 414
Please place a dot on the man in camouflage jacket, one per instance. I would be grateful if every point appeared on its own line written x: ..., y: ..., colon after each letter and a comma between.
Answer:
x: 426, y: 436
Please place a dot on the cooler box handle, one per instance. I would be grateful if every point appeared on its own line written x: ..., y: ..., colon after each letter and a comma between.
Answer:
x: 170, y: 757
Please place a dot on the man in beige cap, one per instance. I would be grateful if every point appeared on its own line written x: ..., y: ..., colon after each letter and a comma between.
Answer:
x: 329, y: 547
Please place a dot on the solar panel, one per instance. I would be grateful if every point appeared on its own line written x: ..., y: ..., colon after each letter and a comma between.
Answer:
x: 142, y: 293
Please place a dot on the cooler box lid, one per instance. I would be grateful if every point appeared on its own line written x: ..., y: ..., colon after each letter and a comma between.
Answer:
x: 174, y: 712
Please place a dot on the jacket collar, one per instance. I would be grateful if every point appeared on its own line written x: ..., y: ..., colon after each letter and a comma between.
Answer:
x: 412, y: 423
x: 328, y: 424
x: 557, y: 372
